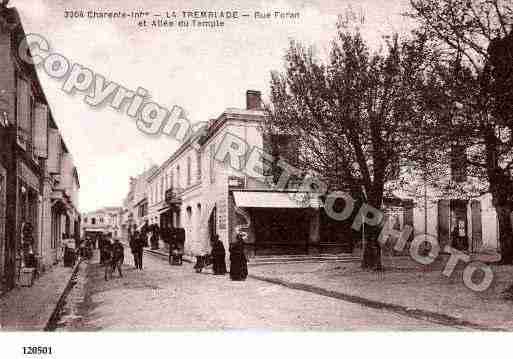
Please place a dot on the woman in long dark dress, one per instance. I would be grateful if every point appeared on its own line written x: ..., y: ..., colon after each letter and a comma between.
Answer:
x: 218, y: 256
x: 238, y: 261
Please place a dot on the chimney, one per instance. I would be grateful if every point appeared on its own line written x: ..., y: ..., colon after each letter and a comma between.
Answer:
x: 253, y: 100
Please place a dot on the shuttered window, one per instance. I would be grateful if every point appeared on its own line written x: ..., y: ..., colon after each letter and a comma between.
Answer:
x: 189, y: 165
x: 212, y: 163
x: 198, y: 163
x: 41, y: 131
x: 54, y: 151
x: 24, y: 121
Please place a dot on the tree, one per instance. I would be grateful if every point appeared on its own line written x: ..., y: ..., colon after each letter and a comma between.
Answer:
x: 352, y: 114
x: 475, y: 38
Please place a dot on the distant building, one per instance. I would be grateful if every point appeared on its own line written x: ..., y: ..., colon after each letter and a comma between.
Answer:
x: 105, y: 220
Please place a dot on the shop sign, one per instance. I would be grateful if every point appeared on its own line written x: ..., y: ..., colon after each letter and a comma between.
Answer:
x: 171, y: 197
x: 222, y: 214
x: 236, y: 182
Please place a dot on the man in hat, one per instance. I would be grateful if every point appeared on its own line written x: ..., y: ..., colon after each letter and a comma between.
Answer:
x: 118, y: 256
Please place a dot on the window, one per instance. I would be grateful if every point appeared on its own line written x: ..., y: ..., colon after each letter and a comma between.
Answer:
x: 198, y: 163
x: 85, y: 220
x: 178, y: 176
x: 24, y: 113
x: 93, y: 221
x: 171, y: 179
x: 188, y: 171
x: 162, y: 188
x: 212, y: 159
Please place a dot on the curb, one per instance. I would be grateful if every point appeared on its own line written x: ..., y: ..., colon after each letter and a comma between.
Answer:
x: 55, y: 313
x: 415, y: 313
x: 165, y: 255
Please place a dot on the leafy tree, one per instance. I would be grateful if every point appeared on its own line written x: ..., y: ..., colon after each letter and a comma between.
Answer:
x: 475, y: 39
x: 352, y: 114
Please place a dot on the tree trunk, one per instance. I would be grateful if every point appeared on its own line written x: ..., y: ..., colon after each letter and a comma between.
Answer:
x: 505, y: 235
x: 371, y: 249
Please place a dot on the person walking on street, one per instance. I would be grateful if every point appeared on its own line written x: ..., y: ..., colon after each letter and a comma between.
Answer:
x: 136, y: 248
x: 143, y: 242
x: 238, y: 261
x: 118, y: 257
x: 180, y: 244
x: 218, y: 256
x: 101, y: 242
x: 107, y: 257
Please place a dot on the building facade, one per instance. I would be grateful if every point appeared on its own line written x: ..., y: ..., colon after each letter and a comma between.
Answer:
x: 39, y: 183
x: 208, y: 196
x: 135, y: 204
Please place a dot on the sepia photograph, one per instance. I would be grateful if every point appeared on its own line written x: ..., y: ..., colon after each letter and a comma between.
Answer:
x: 225, y: 169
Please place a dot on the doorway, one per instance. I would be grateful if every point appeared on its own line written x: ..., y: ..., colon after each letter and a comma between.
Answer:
x: 281, y: 231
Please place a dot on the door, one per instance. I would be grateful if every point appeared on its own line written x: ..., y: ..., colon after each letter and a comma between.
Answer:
x: 3, y: 206
x: 477, y: 226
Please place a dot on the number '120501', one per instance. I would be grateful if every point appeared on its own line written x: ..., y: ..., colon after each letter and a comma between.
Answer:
x: 37, y: 350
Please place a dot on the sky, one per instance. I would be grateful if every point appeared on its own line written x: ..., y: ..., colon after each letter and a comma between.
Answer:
x: 202, y: 70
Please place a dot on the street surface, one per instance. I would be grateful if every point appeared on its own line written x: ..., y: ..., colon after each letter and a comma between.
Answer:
x: 164, y: 297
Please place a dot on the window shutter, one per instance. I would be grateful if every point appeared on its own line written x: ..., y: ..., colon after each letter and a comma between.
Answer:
x: 41, y: 131
x: 443, y: 223
x: 198, y: 163
x: 54, y: 151
x: 24, y: 129
x: 477, y: 226
x: 67, y: 171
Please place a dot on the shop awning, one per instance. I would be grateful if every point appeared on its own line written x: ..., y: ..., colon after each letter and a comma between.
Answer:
x: 163, y: 209
x: 275, y: 200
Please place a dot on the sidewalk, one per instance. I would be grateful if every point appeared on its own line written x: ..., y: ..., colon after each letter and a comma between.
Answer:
x: 404, y: 287
x: 31, y: 308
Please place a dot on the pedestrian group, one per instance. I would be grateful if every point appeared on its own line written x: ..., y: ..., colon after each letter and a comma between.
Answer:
x: 112, y: 252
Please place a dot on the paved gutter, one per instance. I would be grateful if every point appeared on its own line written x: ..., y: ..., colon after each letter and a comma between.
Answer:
x: 49, y: 325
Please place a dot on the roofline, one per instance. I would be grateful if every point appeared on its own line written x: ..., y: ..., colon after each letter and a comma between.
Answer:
x: 228, y: 114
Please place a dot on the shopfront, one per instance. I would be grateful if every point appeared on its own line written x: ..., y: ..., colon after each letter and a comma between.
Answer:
x: 277, y: 223
x: 29, y: 202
